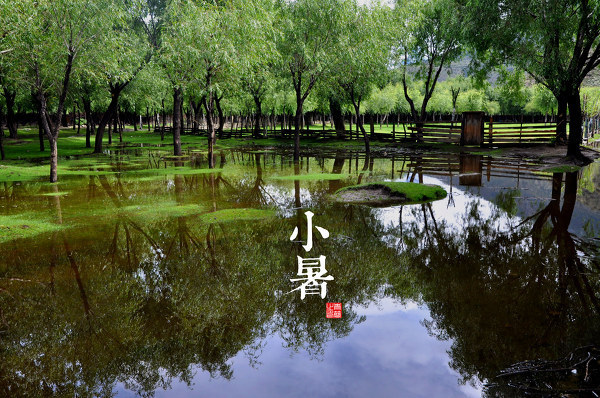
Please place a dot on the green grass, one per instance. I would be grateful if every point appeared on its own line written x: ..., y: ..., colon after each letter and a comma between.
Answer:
x: 412, y: 192
x: 167, y: 209
x: 26, y: 225
x: 25, y: 162
x: 28, y: 172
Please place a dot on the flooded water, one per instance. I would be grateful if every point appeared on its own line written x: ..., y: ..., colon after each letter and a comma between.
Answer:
x: 138, y: 276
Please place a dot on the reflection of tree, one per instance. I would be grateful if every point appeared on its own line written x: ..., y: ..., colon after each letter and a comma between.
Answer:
x: 338, y: 166
x: 505, y: 294
x: 255, y: 192
x: 151, y: 314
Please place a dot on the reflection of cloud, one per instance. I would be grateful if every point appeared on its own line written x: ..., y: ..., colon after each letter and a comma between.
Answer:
x: 389, y: 355
x: 385, y: 306
x: 453, y: 215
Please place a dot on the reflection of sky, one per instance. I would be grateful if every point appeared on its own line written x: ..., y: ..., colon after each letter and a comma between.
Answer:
x: 388, y: 355
x: 453, y: 214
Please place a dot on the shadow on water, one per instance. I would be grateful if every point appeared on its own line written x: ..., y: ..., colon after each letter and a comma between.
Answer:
x: 140, y: 287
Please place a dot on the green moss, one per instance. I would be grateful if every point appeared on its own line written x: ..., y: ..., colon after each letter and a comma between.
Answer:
x: 408, y: 192
x: 25, y: 225
x: 28, y: 172
x: 55, y: 194
x: 162, y: 210
x: 312, y: 177
x: 494, y: 152
x: 229, y: 215
x: 565, y: 168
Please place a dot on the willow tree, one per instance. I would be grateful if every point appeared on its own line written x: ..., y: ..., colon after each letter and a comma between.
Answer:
x: 429, y: 40
x: 8, y: 86
x: 126, y: 49
x: 50, y: 42
x: 205, y: 45
x: 255, y: 67
x: 555, y: 41
x: 362, y: 56
x: 9, y: 66
x: 308, y: 31
x: 179, y: 55
x: 4, y: 49
x: 195, y: 51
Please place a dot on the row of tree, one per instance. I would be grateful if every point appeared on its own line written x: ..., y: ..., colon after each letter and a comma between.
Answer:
x: 510, y: 94
x: 205, y: 53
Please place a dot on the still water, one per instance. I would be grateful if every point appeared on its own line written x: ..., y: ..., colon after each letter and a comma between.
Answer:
x: 154, y: 278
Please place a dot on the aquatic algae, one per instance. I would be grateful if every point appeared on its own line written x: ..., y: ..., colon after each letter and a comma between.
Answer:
x: 243, y: 214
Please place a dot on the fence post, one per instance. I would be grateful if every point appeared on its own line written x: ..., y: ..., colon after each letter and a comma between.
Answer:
x: 521, y: 129
x: 491, y: 130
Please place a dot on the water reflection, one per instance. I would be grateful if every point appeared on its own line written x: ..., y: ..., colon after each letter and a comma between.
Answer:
x: 139, y: 291
x: 505, y: 290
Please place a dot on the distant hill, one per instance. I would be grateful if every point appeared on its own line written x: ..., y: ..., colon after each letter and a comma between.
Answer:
x: 592, y: 79
x: 461, y: 67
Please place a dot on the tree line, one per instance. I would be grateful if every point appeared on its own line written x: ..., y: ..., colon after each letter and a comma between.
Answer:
x: 208, y: 58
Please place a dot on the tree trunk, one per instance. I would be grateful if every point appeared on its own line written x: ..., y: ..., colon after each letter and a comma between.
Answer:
x: 2, y: 157
x: 338, y: 118
x: 208, y: 106
x: 164, y: 121
x: 220, y: 116
x: 561, y: 126
x: 107, y: 117
x: 52, y: 128
x: 177, y: 121
x: 118, y: 126
x: 78, y: 123
x: 297, y: 124
x: 53, y: 159
x: 181, y: 115
x: 197, y: 108
x: 110, y: 124
x: 10, y: 112
x: 258, y: 104
x: 41, y: 135
x: 573, y: 148
x: 359, y: 125
x: 147, y: 119
x: 89, y: 117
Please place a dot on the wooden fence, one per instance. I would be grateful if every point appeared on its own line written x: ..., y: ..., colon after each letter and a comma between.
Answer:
x: 507, y: 134
x: 493, y: 134
x: 441, y: 132
x: 285, y: 133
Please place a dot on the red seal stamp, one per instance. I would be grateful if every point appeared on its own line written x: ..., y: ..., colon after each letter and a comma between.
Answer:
x: 333, y: 310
